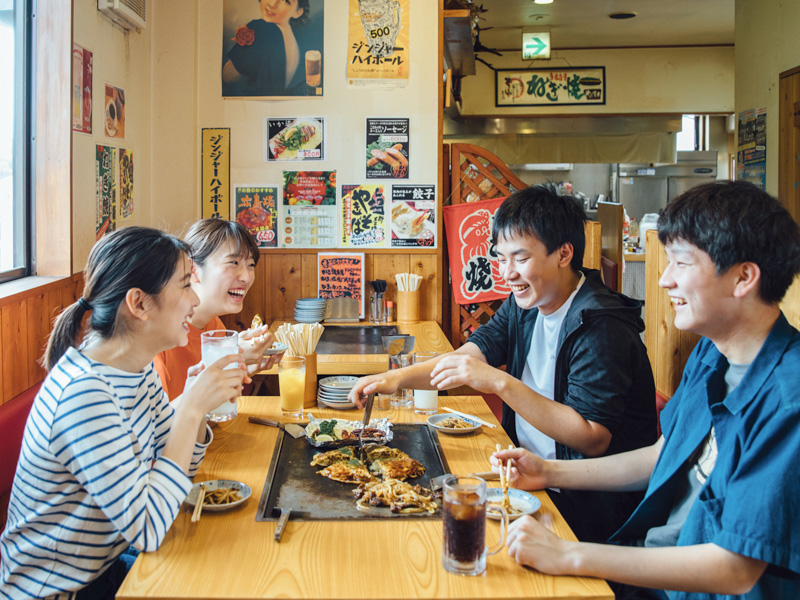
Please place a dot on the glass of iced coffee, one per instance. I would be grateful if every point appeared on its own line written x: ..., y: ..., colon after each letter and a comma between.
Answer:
x: 464, y: 550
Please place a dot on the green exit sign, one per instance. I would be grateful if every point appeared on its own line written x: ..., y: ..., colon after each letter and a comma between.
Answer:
x: 535, y: 45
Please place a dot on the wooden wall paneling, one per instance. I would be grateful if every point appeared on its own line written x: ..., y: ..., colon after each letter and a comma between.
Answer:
x: 309, y: 286
x: 386, y: 266
x: 594, y: 245
x: 430, y: 301
x: 286, y: 284
x: 791, y: 303
x: 610, y: 215
x: 39, y: 324
x: 789, y: 141
x: 14, y: 318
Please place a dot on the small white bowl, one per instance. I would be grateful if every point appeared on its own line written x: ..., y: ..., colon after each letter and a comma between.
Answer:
x: 434, y: 421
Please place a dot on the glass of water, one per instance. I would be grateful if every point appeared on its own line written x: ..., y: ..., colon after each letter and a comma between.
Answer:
x: 426, y: 402
x: 213, y: 346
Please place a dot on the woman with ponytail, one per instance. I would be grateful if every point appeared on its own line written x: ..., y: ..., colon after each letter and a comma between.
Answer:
x: 106, y: 460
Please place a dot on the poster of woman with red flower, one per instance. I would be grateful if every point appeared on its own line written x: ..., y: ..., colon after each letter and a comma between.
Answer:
x: 272, y: 48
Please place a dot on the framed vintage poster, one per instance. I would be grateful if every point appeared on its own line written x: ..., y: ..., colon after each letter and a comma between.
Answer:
x: 341, y: 276
x: 550, y: 87
x: 257, y: 38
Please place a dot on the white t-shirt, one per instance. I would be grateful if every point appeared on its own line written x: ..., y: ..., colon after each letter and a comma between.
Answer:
x: 540, y: 371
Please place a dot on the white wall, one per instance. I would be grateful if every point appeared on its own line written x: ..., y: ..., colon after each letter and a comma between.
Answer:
x: 122, y: 59
x: 766, y: 45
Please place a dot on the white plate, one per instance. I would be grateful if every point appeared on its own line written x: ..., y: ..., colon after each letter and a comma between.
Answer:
x: 337, y: 405
x: 341, y: 382
x: 434, y: 421
x: 333, y: 399
x: 276, y: 348
x: 244, y: 491
x: 524, y: 502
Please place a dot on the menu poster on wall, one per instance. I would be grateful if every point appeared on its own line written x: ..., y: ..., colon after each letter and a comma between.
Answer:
x: 473, y: 259
x: 309, y: 188
x: 257, y: 38
x: 256, y: 208
x: 308, y: 217
x: 126, y: 183
x: 82, y: 68
x: 377, y: 43
x: 550, y: 87
x: 363, y: 209
x: 114, y: 112
x: 105, y: 191
x: 751, y: 156
x: 387, y: 148
x: 341, y: 276
x: 294, y: 138
x: 413, y: 216
x: 216, y: 173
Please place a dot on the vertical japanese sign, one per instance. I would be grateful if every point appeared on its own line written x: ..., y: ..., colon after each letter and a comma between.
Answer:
x: 751, y: 156
x: 216, y: 173
x: 105, y: 191
x: 341, y: 276
x: 82, y: 68
x: 308, y: 218
x: 126, y: 183
x: 257, y: 209
x: 377, y: 43
x: 363, y: 210
x: 388, y: 148
x: 413, y: 216
x: 550, y: 87
x: 473, y: 258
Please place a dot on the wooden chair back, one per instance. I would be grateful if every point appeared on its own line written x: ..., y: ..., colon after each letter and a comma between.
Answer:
x: 611, y: 216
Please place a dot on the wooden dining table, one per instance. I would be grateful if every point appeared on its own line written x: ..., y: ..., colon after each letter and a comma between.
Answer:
x: 231, y: 555
x: 428, y: 336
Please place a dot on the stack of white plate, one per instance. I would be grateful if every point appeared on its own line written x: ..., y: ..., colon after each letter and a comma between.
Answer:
x: 309, y: 310
x: 332, y: 391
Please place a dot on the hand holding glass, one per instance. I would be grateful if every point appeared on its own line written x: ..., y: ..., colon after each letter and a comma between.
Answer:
x: 292, y: 380
x: 426, y: 402
x: 215, y: 345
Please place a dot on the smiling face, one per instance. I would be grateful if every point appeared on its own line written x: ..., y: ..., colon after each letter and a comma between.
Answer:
x: 701, y: 297
x: 280, y: 11
x: 173, y: 308
x: 222, y: 281
x: 537, y: 280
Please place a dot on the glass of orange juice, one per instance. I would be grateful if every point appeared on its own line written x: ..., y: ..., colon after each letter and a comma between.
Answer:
x: 292, y: 380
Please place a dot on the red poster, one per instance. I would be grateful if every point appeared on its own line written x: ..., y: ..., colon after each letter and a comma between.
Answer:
x: 473, y: 261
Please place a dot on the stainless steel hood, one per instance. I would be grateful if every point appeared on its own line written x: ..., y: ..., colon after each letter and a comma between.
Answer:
x: 563, y: 125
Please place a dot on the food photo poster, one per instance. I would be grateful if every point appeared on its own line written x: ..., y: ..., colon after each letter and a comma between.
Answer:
x: 272, y: 49
x: 308, y: 211
x: 413, y: 221
x: 256, y: 208
x: 387, y: 148
x: 114, y: 112
x: 295, y: 139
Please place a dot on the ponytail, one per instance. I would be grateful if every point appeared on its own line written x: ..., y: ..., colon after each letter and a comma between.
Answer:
x: 65, y: 333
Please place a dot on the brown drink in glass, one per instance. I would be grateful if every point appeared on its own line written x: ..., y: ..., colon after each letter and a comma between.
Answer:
x: 313, y: 68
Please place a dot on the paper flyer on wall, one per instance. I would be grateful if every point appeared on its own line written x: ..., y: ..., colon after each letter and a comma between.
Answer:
x: 751, y: 157
x: 363, y: 213
x: 295, y: 139
x: 388, y: 149
x: 341, y: 276
x: 308, y: 214
x: 82, y: 67
x: 413, y: 216
x: 114, y: 112
x: 256, y: 208
x: 215, y: 174
x: 125, y: 183
x: 105, y: 191
x: 378, y: 43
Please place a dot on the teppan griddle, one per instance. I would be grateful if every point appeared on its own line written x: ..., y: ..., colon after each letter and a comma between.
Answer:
x: 293, y: 483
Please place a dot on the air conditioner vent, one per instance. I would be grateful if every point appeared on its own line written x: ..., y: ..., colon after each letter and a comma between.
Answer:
x: 128, y: 14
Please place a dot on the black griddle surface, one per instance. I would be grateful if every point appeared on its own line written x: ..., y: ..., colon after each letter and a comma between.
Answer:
x: 354, y: 340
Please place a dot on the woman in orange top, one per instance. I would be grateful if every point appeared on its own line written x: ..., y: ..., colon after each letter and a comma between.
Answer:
x: 224, y: 258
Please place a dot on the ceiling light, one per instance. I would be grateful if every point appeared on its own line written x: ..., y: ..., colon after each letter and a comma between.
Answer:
x: 542, y: 1
x: 622, y: 15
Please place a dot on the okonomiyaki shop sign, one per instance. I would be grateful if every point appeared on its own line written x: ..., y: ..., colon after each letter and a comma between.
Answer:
x: 550, y: 87
x: 216, y: 175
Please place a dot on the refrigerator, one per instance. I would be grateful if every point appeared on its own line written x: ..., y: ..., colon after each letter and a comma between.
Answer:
x: 647, y: 188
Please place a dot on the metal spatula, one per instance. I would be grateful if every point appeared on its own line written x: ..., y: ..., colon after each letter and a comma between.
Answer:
x: 365, y: 422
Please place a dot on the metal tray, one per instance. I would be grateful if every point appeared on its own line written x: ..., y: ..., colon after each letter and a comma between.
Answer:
x: 293, y: 483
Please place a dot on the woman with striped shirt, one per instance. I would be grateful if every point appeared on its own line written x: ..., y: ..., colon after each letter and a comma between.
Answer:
x: 106, y: 460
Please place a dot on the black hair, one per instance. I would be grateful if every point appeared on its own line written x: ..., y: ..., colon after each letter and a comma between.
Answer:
x: 554, y: 219
x: 133, y: 257
x: 302, y: 19
x: 735, y: 222
x: 208, y: 235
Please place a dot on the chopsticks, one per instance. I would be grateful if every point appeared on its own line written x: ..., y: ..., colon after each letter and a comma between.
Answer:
x: 407, y: 282
x: 466, y: 416
x: 504, y: 479
x: 300, y: 338
x: 198, y: 508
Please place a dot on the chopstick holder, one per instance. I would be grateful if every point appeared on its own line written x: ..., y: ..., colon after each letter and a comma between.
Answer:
x: 198, y: 507
x: 466, y: 416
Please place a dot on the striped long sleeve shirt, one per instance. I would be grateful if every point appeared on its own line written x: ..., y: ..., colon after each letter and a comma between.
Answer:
x: 90, y: 479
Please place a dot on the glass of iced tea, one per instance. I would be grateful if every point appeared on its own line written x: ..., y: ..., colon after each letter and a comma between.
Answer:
x: 292, y: 381
x: 464, y: 550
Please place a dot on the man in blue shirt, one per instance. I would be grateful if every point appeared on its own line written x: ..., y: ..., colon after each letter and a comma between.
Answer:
x: 722, y: 509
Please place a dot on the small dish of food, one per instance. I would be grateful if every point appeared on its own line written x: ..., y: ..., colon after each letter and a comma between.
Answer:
x: 453, y: 424
x: 221, y: 494
x: 276, y: 348
x: 522, y: 503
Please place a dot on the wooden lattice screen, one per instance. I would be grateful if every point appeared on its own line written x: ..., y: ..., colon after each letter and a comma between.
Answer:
x: 477, y: 174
